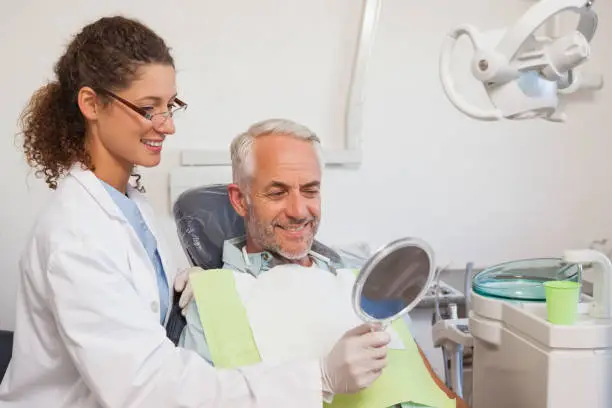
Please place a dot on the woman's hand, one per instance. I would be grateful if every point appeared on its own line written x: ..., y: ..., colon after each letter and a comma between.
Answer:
x: 182, y: 285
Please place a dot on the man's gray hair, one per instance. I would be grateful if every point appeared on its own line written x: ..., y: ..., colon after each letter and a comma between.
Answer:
x: 241, y: 149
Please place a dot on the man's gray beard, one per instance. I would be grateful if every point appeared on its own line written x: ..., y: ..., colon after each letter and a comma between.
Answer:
x: 293, y: 257
x: 272, y: 247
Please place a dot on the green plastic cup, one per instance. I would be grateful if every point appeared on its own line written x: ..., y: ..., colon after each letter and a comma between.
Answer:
x: 562, y: 301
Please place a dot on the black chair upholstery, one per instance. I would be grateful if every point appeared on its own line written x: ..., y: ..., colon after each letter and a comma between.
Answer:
x: 6, y: 351
x: 204, y: 219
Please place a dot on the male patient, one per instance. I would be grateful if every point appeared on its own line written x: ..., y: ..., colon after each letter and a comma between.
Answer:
x: 277, y: 167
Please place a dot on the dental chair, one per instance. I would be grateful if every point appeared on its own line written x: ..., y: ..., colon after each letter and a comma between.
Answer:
x: 6, y: 351
x: 204, y: 219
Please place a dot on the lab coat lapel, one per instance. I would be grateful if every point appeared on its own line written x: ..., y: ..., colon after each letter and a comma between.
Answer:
x: 142, y: 269
x: 94, y: 187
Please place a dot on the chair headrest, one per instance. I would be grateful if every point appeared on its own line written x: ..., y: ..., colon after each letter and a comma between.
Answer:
x: 205, y: 218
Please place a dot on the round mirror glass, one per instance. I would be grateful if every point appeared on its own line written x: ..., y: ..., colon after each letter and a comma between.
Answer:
x: 393, y: 280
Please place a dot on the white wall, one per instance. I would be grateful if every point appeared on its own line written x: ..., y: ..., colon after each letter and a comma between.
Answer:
x: 477, y: 191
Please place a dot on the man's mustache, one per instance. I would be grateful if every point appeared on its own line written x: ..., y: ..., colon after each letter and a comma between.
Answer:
x: 296, y: 222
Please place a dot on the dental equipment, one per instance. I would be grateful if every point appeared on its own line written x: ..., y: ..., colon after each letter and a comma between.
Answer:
x: 520, y: 359
x: 521, y: 72
x: 460, y: 340
x: 438, y: 317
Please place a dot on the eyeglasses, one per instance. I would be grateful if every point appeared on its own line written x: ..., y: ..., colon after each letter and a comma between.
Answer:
x: 157, y: 119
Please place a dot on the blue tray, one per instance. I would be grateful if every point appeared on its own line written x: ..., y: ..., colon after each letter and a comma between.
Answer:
x: 523, y: 279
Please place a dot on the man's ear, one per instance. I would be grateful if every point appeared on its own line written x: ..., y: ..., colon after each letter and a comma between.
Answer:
x: 238, y: 199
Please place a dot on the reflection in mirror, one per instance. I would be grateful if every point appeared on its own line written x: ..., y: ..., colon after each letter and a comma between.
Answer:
x: 395, y: 280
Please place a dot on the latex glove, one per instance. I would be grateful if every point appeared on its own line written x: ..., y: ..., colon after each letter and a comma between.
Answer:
x: 356, y: 360
x: 182, y: 284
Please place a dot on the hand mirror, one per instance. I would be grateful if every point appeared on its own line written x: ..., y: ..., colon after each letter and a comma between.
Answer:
x: 393, y: 281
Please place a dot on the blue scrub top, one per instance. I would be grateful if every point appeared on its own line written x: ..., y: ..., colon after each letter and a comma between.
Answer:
x: 132, y: 213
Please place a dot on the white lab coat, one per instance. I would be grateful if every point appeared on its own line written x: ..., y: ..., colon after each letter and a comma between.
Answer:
x: 88, y: 333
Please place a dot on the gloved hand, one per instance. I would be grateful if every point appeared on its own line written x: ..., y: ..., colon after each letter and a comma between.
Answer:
x: 356, y: 360
x: 181, y: 284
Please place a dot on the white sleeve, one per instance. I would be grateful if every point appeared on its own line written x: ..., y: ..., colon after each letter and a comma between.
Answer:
x: 124, y: 357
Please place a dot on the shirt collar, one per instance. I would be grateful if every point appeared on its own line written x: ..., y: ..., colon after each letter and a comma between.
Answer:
x: 262, y: 261
x: 123, y: 201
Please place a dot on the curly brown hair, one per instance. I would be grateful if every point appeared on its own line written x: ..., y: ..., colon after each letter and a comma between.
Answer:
x: 105, y: 54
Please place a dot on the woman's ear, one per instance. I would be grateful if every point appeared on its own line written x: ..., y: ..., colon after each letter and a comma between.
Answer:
x: 238, y: 199
x: 87, y: 99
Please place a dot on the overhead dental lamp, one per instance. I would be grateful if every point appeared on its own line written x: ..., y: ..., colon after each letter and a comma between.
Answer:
x: 521, y: 72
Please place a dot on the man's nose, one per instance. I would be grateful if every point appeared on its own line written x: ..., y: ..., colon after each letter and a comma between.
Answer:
x: 297, y: 207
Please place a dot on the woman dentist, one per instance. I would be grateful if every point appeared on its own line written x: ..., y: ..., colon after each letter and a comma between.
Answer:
x: 93, y: 293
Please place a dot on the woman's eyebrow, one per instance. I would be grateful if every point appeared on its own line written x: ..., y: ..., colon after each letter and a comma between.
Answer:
x: 155, y: 99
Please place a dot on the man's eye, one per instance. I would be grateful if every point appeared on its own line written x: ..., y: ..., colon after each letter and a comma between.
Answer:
x: 147, y: 108
x: 276, y: 193
x: 311, y: 192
